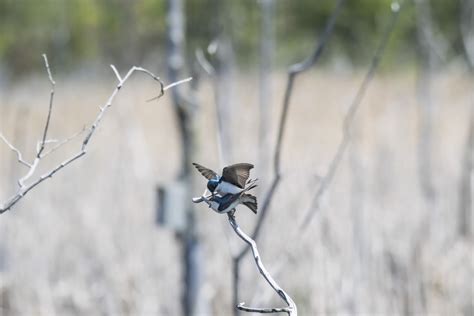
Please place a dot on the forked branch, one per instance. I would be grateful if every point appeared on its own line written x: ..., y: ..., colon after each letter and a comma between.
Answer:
x: 326, y: 180
x: 50, y: 109
x: 293, y: 71
x: 27, y: 183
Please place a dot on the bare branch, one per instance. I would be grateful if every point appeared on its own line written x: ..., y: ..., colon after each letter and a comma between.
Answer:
x: 204, y: 63
x: 117, y: 74
x: 291, y: 309
x: 51, y: 99
x: 48, y: 70
x: 177, y: 83
x: 103, y: 109
x: 293, y: 71
x: 25, y: 188
x: 349, y: 118
x: 31, y: 171
x: 327, y: 178
x: 59, y: 144
x: 213, y: 73
x: 242, y: 307
x: 163, y: 89
x: 19, y: 156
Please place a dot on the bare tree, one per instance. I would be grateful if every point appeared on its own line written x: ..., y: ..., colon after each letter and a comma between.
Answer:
x: 326, y: 179
x: 185, y: 107
x: 348, y: 119
x: 46, y: 146
x: 293, y: 71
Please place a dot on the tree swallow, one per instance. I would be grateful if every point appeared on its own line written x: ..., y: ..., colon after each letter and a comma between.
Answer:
x: 228, y: 202
x: 233, y: 180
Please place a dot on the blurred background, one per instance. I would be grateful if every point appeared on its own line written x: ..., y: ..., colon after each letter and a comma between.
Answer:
x: 115, y: 233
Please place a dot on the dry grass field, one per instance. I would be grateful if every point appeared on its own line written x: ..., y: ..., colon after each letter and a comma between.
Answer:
x: 86, y: 243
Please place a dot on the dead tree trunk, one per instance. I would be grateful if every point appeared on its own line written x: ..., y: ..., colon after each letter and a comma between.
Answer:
x: 184, y: 112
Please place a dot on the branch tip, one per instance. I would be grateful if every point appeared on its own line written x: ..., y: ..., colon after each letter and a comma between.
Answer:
x: 117, y: 74
x: 177, y: 83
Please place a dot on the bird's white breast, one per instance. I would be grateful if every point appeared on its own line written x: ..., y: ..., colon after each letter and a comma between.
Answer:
x: 225, y: 187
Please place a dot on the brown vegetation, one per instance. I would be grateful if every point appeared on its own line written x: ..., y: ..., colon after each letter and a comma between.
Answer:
x: 86, y: 242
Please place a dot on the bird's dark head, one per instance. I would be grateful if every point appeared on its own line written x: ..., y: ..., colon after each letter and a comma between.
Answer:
x: 212, y: 184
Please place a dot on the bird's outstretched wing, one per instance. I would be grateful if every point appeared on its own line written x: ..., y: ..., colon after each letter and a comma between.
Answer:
x: 207, y: 173
x: 237, y: 174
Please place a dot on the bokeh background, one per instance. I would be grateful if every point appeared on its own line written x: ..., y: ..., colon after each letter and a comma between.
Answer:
x: 107, y: 236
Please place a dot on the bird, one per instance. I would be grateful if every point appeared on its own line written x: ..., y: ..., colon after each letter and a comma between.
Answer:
x: 227, y: 203
x: 233, y: 180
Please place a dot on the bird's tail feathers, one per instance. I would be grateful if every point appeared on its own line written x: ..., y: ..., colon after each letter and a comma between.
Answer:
x: 251, y: 202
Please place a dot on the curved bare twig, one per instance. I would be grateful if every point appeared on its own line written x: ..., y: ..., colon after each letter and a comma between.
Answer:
x: 291, y: 309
